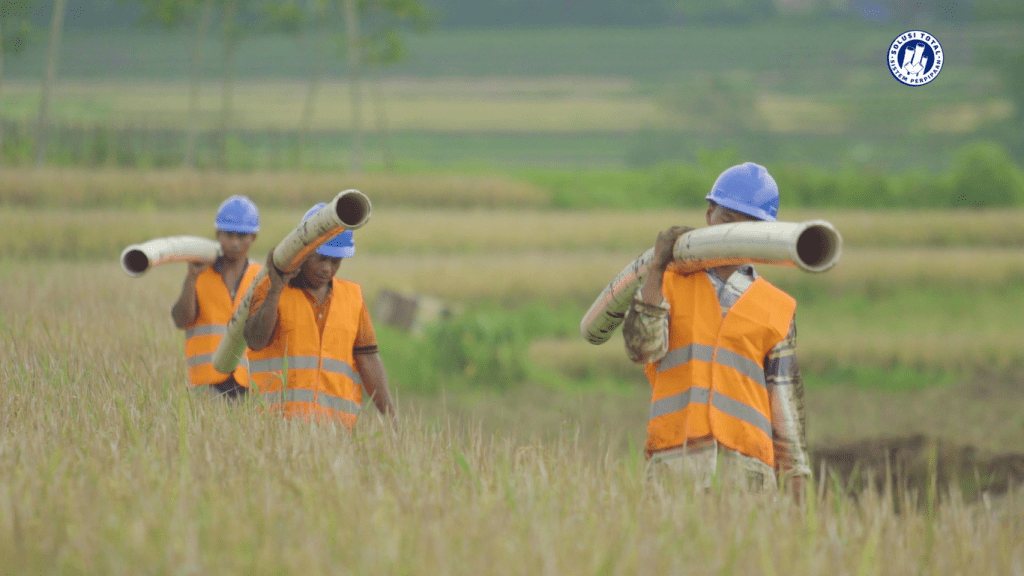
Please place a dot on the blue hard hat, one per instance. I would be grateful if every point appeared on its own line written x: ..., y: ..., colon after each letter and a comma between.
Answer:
x: 341, y: 245
x: 747, y: 188
x: 238, y: 214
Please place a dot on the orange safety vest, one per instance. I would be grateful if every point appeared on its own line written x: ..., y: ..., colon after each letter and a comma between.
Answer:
x: 711, y: 381
x: 321, y: 380
x: 215, y: 310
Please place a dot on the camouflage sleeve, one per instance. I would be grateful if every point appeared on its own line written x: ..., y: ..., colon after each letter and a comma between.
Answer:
x: 645, y: 330
x: 786, y: 397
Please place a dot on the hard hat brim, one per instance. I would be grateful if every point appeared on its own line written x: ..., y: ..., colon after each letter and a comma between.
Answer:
x: 336, y: 251
x: 238, y: 228
x: 741, y: 208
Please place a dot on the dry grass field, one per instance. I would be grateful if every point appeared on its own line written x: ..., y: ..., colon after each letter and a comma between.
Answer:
x: 559, y: 104
x: 450, y: 105
x: 112, y: 467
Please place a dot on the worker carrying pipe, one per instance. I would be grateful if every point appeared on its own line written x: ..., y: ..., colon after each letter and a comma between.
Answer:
x: 313, y: 347
x: 349, y: 210
x: 211, y: 292
x: 718, y: 343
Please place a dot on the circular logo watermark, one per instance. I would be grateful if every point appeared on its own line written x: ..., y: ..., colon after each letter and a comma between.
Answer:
x: 915, y: 58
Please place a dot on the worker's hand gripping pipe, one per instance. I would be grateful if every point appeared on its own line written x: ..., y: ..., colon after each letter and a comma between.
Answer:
x: 138, y: 258
x: 349, y: 210
x: 813, y: 246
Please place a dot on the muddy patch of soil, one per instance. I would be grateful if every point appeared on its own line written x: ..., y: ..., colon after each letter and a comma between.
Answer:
x: 907, y: 466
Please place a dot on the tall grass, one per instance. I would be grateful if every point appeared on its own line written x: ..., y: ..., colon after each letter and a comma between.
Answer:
x: 113, y: 467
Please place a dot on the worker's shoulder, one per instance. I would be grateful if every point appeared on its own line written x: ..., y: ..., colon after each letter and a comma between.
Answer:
x: 777, y: 297
x: 773, y: 287
x: 347, y: 289
x: 208, y: 279
x: 348, y: 285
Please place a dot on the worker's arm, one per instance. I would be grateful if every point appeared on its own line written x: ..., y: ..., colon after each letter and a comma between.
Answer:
x: 645, y: 327
x: 186, y: 309
x: 260, y: 325
x: 650, y: 292
x: 375, y: 380
x: 789, y: 419
x: 645, y: 330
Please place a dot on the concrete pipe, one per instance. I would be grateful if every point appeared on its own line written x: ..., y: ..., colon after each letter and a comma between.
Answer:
x: 813, y: 246
x: 348, y: 211
x: 138, y: 258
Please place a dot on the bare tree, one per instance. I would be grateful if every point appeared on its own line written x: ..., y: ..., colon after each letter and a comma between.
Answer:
x: 15, y: 29
x: 192, y: 132
x: 43, y: 128
x: 318, y: 12
x: 355, y: 85
x: 371, y: 40
x: 379, y: 45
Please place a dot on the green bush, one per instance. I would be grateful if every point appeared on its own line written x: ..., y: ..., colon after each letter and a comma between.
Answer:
x: 483, y: 346
x: 479, y: 347
x: 986, y: 176
x: 680, y: 186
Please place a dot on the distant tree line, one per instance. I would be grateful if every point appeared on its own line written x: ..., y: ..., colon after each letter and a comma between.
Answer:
x: 368, y: 34
x: 104, y: 14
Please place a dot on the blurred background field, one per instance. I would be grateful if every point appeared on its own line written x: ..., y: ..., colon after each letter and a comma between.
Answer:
x: 925, y: 294
x: 515, y: 166
x: 812, y: 92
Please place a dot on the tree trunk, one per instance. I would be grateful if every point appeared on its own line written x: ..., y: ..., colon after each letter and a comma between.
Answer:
x: 202, y: 27
x: 227, y: 84
x: 382, y: 119
x: 1, y: 93
x: 313, y: 87
x: 56, y: 27
x: 354, y: 58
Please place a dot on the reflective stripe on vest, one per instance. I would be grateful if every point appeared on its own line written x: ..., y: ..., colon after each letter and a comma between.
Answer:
x: 319, y: 398
x: 201, y: 359
x: 705, y: 353
x: 303, y: 363
x: 699, y: 395
x: 207, y: 330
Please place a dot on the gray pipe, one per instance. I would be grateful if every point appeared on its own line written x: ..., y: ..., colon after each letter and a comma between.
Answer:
x: 813, y: 246
x: 349, y: 210
x: 139, y: 258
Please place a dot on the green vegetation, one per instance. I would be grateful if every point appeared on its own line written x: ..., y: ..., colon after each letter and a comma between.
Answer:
x: 644, y: 53
x: 983, y: 176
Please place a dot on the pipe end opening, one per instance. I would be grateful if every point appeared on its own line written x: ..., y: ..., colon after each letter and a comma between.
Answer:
x: 353, y: 208
x: 135, y: 262
x: 818, y: 248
